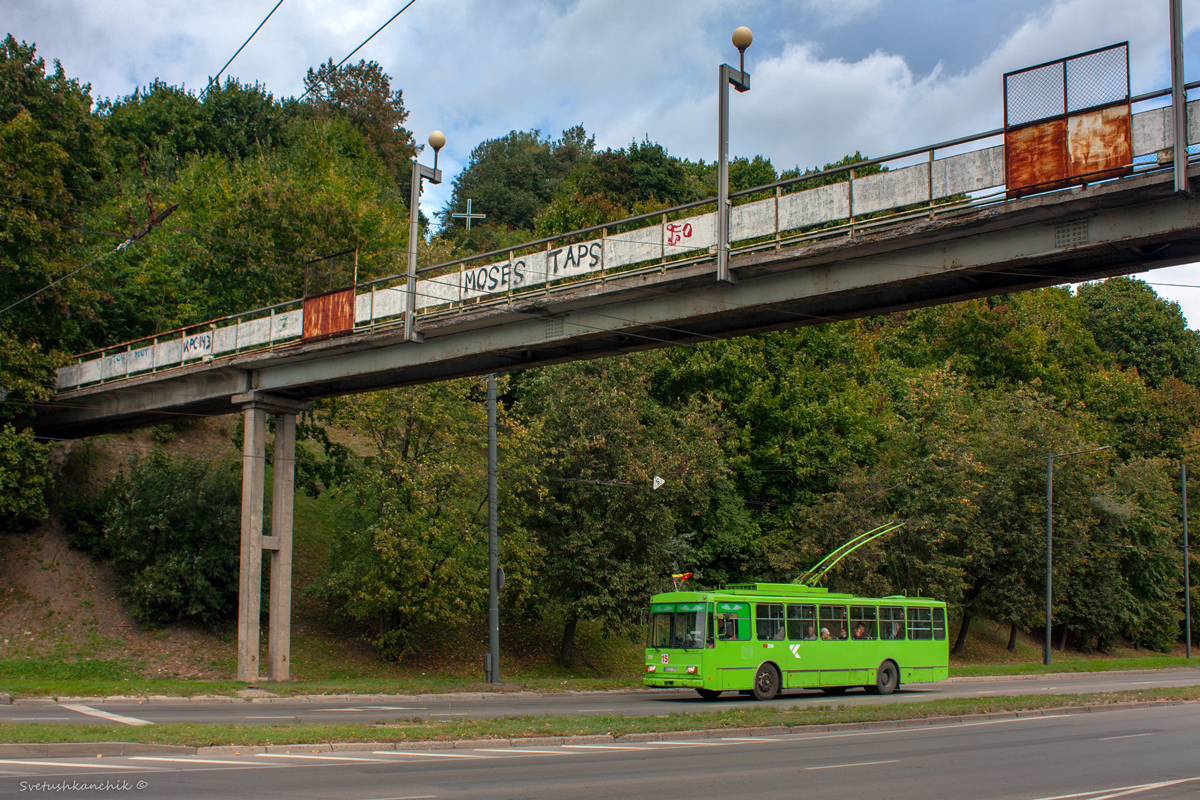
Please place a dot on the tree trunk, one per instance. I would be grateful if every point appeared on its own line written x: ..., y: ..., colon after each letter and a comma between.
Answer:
x: 1062, y: 642
x: 566, y: 655
x: 1012, y: 638
x: 962, y: 633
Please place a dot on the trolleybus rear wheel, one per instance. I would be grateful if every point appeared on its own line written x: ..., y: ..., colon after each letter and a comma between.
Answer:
x: 766, y: 682
x: 887, y: 678
x: 708, y: 694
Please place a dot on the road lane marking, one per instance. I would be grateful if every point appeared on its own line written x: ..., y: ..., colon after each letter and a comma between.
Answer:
x: 604, y: 747
x: 749, y: 739
x: 1126, y: 736
x: 1119, y: 791
x: 857, y: 764
x: 423, y: 754
x: 407, y: 797
x: 319, y: 758
x: 373, y: 708
x: 686, y: 744
x: 95, y: 712
x: 196, y: 761
x: 86, y: 765
x: 517, y: 750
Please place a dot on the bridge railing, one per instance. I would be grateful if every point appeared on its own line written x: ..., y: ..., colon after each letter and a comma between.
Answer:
x: 842, y: 201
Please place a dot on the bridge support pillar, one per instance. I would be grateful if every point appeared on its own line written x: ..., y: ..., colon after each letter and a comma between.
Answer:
x: 255, y: 407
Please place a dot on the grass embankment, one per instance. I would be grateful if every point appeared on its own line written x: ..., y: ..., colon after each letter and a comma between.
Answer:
x: 417, y: 730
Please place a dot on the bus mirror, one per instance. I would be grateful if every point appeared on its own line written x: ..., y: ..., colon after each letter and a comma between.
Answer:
x: 645, y: 615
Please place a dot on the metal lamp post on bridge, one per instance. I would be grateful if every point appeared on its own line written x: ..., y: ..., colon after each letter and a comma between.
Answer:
x: 437, y: 140
x: 740, y: 79
x: 1049, y: 528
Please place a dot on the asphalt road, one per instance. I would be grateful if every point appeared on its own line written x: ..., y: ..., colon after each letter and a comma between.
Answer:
x: 1142, y: 753
x: 479, y: 706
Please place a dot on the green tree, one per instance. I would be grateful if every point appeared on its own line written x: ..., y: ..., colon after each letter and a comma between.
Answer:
x: 362, y: 94
x: 1141, y: 330
x: 172, y: 531
x: 513, y: 177
x: 609, y: 539
x: 412, y: 560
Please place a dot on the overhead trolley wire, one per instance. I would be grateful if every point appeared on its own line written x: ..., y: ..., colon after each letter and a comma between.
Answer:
x: 217, y: 77
x: 364, y: 42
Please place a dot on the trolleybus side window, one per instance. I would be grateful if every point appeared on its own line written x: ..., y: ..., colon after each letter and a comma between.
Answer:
x: 733, y: 621
x: 862, y: 622
x: 833, y: 622
x: 801, y: 622
x: 768, y: 621
x: 891, y: 623
x: 920, y: 624
x: 939, y: 624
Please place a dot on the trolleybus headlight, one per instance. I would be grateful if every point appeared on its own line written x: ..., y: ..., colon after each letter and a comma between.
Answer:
x: 651, y: 667
x: 690, y: 670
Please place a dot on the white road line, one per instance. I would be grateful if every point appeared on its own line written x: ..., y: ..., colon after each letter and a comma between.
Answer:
x: 749, y: 739
x: 423, y: 754
x: 95, y: 712
x: 517, y: 750
x: 196, y: 761
x: 408, y: 797
x: 320, y: 758
x: 86, y: 764
x: 1119, y: 791
x: 372, y: 708
x: 604, y: 747
x: 686, y: 744
x: 858, y: 764
x: 1126, y: 736
x: 890, y: 731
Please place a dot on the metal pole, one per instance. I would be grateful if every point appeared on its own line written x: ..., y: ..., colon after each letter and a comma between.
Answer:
x: 723, y: 174
x: 1187, y: 577
x: 1179, y: 100
x: 1049, y: 548
x: 493, y: 541
x: 414, y: 201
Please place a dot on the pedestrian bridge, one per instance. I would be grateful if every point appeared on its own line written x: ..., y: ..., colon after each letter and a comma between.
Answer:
x: 932, y: 225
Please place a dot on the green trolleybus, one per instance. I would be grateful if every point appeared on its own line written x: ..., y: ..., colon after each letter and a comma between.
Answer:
x: 759, y: 638
x: 762, y: 637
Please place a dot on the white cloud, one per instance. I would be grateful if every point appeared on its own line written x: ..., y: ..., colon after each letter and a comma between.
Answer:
x: 841, y: 12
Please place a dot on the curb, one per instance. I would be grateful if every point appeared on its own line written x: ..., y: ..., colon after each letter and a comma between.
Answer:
x: 92, y: 749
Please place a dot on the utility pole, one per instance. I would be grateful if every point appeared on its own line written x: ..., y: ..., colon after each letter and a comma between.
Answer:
x: 494, y: 574
x: 1187, y: 574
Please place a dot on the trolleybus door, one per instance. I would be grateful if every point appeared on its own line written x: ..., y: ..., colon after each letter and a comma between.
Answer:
x: 802, y: 663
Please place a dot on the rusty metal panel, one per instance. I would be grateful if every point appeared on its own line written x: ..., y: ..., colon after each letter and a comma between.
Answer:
x: 1035, y: 157
x: 1099, y: 143
x: 329, y: 314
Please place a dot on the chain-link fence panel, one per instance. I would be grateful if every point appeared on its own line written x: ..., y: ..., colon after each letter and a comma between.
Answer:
x: 1088, y: 80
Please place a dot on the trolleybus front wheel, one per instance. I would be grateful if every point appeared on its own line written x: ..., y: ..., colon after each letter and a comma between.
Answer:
x: 766, y: 682
x: 708, y: 694
x: 887, y: 678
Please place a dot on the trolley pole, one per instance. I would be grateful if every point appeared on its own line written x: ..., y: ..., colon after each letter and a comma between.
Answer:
x: 493, y: 542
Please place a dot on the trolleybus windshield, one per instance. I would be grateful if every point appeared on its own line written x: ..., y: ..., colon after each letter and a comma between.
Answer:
x: 677, y: 625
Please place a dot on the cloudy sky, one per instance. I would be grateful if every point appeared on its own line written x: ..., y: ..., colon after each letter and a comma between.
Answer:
x: 829, y: 77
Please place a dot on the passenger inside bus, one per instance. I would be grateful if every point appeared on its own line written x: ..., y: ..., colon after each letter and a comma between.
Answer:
x: 860, y: 631
x: 825, y: 634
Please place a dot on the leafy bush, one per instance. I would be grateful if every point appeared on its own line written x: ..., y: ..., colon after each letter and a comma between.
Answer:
x: 172, y: 528
x: 23, y: 479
